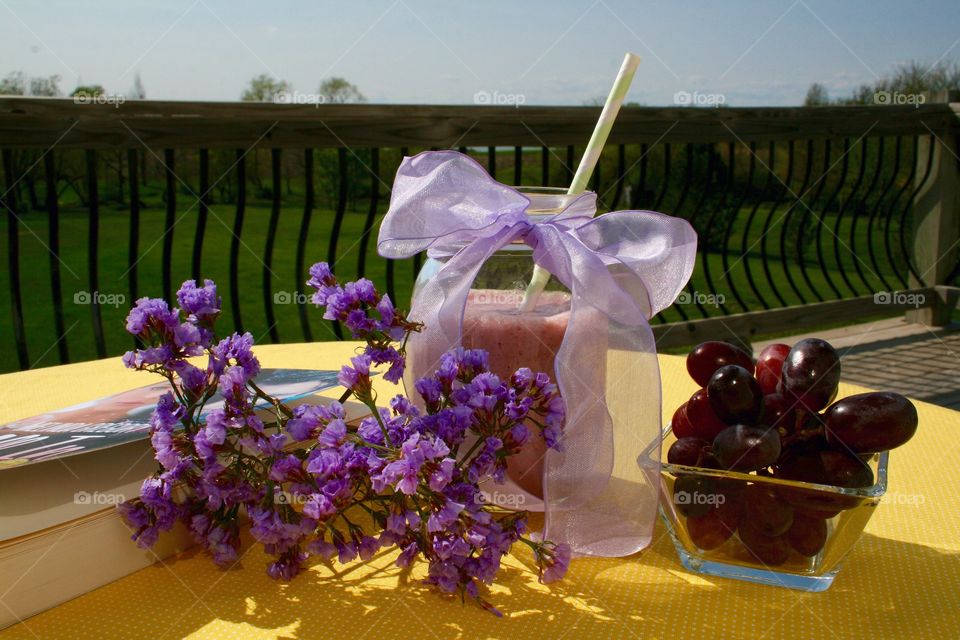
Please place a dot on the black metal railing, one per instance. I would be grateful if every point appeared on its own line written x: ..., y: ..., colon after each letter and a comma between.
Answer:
x: 794, y: 206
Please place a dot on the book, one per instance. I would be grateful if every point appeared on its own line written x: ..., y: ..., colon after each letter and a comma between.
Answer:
x: 60, y: 533
x: 64, y: 464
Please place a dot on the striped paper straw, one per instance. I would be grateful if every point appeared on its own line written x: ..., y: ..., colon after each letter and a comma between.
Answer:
x: 588, y: 162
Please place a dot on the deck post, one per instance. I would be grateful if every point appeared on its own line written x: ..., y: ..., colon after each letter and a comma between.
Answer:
x: 936, y: 215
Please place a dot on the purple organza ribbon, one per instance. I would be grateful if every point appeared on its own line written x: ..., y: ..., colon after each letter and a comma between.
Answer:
x: 621, y: 269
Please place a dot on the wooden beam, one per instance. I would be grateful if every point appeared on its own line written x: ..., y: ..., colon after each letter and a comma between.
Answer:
x: 755, y: 323
x: 42, y: 122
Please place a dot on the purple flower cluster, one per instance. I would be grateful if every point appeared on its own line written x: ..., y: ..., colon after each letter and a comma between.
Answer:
x: 404, y: 477
x: 368, y: 315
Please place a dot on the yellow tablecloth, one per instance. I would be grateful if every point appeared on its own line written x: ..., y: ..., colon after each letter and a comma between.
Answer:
x: 902, y: 580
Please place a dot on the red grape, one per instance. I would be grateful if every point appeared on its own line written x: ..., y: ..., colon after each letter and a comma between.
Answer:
x: 704, y: 421
x: 730, y: 508
x: 770, y: 366
x: 807, y: 535
x: 745, y: 448
x: 708, y: 531
x: 693, y: 495
x: 735, y: 396
x: 687, y: 451
x: 707, y: 357
x: 779, y: 413
x: 769, y: 550
x: 811, y: 374
x: 826, y: 467
x: 870, y: 422
x: 680, y: 423
x: 766, y: 512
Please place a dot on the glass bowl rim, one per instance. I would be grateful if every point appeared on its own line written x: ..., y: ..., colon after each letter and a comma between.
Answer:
x: 876, y: 490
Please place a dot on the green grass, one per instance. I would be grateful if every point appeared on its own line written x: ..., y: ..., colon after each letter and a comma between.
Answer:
x: 114, y: 230
x: 113, y: 281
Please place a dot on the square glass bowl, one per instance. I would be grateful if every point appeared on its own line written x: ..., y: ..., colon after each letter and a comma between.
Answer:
x: 706, y: 513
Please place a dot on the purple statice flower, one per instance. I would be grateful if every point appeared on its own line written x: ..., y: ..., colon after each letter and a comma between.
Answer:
x: 222, y: 542
x: 321, y: 279
x: 334, y: 434
x: 363, y: 290
x: 407, y: 556
x: 346, y: 551
x: 551, y: 436
x: 443, y: 474
x: 187, y: 338
x: 233, y: 388
x: 390, y: 323
x: 202, y: 303
x: 441, y: 519
x: 139, y: 518
x: 288, y: 565
x: 319, y: 507
x: 284, y: 468
x: 388, y: 355
x: 367, y: 547
x: 519, y: 434
x: 324, y: 463
x: 445, y: 575
x: 359, y: 323
x: 484, y: 392
x: 554, y: 559
x: 518, y: 408
x: 322, y: 548
x: 238, y: 349
x: 369, y: 429
x: 305, y: 422
x: 522, y: 378
x: 430, y: 390
x: 356, y: 377
x: 164, y: 420
x: 402, y: 406
x: 152, y: 315
x: 193, y: 380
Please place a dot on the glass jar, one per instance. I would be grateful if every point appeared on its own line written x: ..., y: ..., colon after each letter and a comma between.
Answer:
x: 492, y: 320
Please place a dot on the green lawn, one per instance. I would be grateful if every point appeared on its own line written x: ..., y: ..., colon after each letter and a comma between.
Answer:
x: 114, y: 234
x: 114, y: 229
x: 114, y: 243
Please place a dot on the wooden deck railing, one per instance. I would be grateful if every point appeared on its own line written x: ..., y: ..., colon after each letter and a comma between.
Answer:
x: 805, y: 214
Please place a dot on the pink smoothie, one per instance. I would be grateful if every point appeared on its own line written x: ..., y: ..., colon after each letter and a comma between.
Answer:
x: 491, y: 321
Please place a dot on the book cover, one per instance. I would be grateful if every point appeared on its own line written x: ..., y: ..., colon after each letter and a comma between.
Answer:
x: 125, y: 417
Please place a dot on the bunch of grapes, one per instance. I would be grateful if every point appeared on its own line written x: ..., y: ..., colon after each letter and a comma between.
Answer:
x: 776, y: 417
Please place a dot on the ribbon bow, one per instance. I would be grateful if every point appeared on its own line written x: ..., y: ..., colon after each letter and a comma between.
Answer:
x: 621, y: 269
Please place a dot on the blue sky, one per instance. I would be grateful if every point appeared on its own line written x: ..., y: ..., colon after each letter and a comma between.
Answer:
x: 444, y: 52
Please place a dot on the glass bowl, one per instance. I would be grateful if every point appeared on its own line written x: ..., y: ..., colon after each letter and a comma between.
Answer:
x: 715, y: 519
